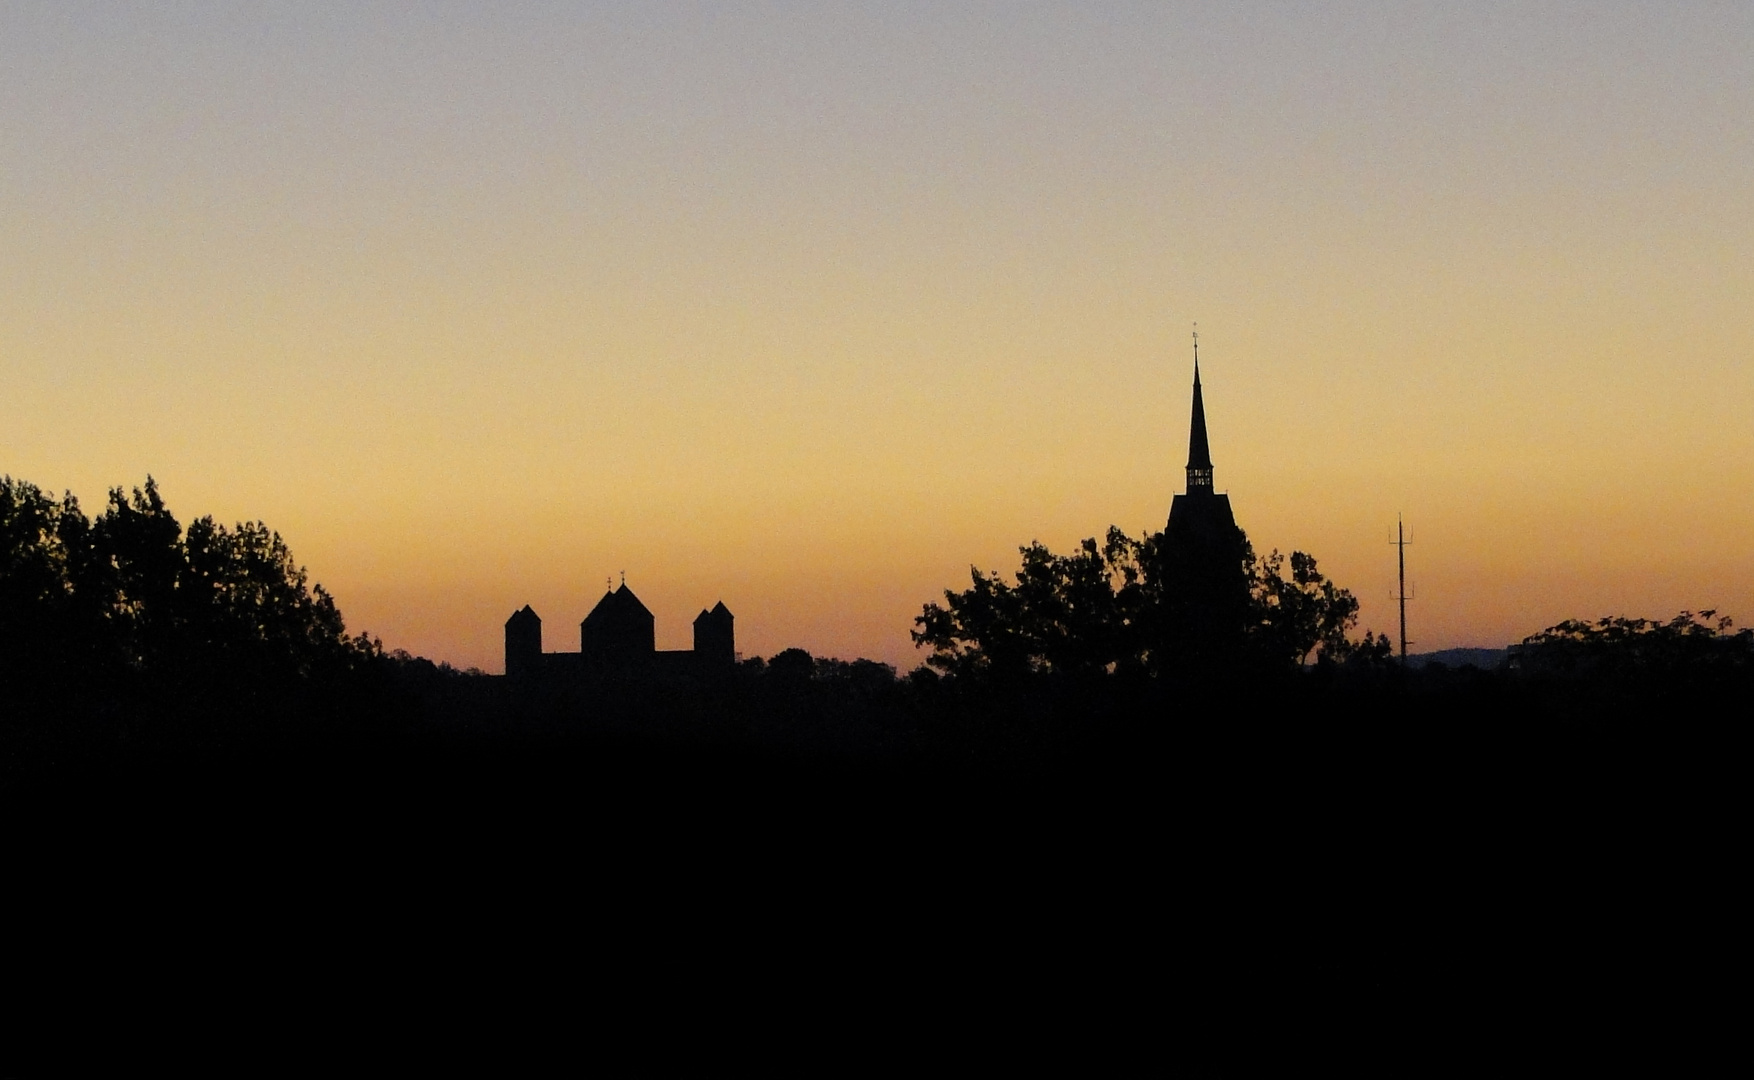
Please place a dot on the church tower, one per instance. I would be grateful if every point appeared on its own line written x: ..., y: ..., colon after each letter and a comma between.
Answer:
x: 715, y: 638
x: 1201, y: 515
x: 1205, y: 582
x: 523, y: 642
x: 618, y: 634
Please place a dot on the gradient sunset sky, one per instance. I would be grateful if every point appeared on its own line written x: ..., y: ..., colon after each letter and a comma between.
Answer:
x: 807, y: 307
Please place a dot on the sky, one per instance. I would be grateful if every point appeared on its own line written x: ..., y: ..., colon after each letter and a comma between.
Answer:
x: 810, y: 307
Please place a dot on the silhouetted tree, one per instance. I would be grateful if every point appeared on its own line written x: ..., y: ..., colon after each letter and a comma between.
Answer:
x: 133, y: 607
x: 1191, y: 607
x: 43, y: 544
x: 1373, y: 652
x: 1300, y: 614
x: 1067, y: 614
x: 860, y: 678
x: 1688, y: 647
x: 791, y: 666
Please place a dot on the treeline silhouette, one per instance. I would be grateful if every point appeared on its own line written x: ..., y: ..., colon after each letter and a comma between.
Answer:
x: 128, y: 629
x: 1246, y: 798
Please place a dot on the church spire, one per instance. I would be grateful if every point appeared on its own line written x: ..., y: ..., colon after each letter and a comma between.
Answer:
x: 1199, y: 454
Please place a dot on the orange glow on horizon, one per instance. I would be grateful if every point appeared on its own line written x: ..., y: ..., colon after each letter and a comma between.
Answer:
x: 808, y: 314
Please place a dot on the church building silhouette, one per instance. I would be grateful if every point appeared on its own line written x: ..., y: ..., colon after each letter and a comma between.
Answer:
x: 618, y: 638
x: 1201, y: 561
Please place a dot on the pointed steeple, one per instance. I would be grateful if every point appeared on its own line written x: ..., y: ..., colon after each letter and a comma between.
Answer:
x: 1199, y: 453
x: 1201, y: 517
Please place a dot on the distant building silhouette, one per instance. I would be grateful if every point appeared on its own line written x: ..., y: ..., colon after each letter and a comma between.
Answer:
x: 523, y: 642
x: 618, y: 639
x: 1201, y: 516
x: 1203, y: 554
x: 618, y: 632
x: 715, y: 640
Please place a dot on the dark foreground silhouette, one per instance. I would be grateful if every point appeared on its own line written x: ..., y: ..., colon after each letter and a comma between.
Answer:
x: 1174, y: 824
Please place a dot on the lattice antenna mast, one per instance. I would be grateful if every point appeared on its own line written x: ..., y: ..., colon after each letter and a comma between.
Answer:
x: 1401, y: 595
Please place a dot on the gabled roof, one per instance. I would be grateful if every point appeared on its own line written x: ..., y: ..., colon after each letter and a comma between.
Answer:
x: 617, y: 605
x: 524, y: 614
x: 719, y: 613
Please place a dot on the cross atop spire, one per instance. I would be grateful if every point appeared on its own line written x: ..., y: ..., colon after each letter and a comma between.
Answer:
x: 1199, y: 453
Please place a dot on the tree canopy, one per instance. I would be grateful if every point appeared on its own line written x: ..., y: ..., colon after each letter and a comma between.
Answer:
x: 1145, y: 605
x: 1686, y: 647
x: 131, y: 604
